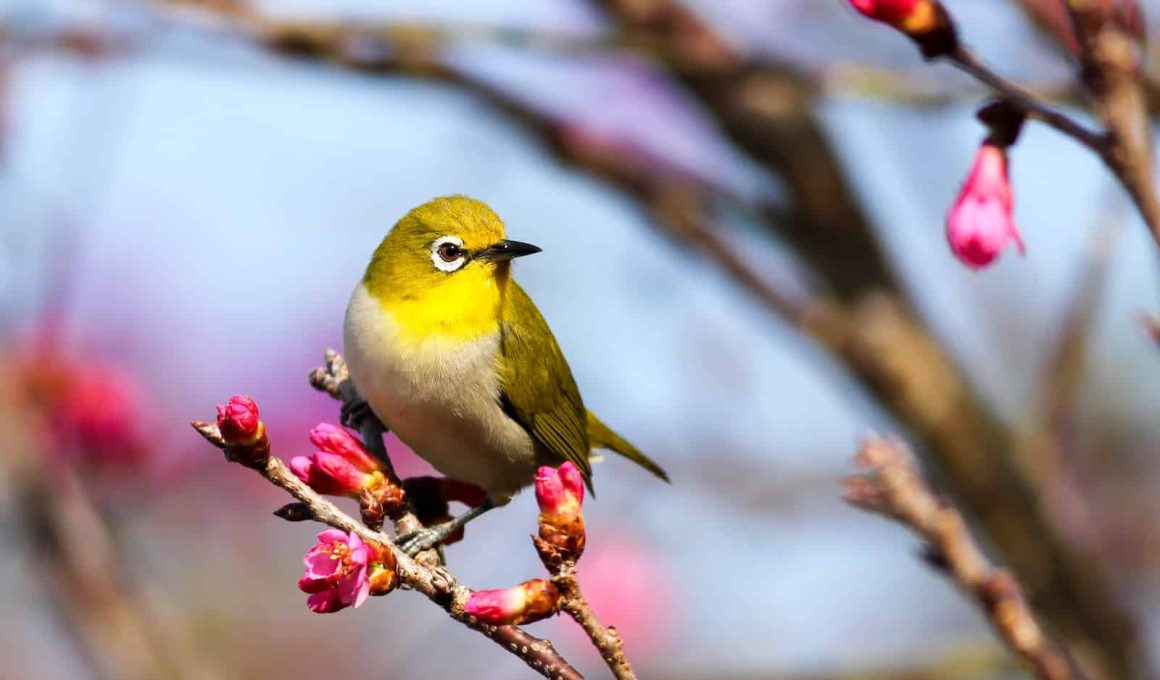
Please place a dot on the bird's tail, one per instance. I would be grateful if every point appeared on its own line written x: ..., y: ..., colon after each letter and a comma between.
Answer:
x: 600, y: 436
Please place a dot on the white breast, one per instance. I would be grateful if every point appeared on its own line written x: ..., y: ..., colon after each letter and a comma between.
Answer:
x: 441, y: 397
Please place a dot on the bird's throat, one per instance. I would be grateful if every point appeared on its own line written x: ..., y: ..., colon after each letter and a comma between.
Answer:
x: 465, y: 306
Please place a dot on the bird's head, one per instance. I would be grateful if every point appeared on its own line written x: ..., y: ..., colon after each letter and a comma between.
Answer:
x: 449, y: 252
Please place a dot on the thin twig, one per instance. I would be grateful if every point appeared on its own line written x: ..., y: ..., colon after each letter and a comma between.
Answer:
x: 966, y: 60
x: 890, y: 484
x: 606, y: 639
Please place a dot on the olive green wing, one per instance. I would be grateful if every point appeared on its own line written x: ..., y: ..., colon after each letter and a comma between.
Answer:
x: 538, y: 390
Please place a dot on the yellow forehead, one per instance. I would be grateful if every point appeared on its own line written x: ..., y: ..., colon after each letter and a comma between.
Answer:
x: 469, y: 219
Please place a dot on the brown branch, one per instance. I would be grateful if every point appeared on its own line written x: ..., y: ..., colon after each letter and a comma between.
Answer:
x: 1111, y: 71
x: 968, y: 61
x: 75, y: 553
x: 891, y: 485
x: 606, y: 639
x: 434, y: 582
x: 1047, y: 422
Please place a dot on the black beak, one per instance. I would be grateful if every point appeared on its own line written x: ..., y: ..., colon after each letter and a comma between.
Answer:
x: 506, y: 250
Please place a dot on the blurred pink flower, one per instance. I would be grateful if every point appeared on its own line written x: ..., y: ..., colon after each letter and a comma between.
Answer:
x: 524, y: 603
x: 100, y: 416
x: 238, y: 420
x: 981, y: 222
x: 336, y: 575
x: 92, y: 412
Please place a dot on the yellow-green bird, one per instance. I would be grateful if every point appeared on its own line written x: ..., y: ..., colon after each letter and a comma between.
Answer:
x: 453, y: 356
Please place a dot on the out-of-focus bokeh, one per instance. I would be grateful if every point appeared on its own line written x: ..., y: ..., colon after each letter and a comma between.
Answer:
x: 185, y: 207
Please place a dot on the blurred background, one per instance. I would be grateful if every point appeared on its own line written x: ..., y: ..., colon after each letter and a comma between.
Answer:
x: 188, y: 193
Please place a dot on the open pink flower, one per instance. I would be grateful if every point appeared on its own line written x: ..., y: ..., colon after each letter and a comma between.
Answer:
x: 342, y: 467
x: 336, y: 573
x: 524, y: 603
x: 981, y: 222
x: 560, y: 491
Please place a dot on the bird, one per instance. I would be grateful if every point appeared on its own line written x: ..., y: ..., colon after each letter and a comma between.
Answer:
x: 452, y: 355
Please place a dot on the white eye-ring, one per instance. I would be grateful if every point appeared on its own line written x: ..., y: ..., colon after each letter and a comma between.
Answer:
x: 448, y: 254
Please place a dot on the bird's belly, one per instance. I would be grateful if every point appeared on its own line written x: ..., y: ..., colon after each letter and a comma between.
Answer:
x: 441, y: 397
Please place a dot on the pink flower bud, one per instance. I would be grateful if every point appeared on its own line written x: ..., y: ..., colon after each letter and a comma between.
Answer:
x: 342, y: 466
x: 336, y: 573
x: 528, y: 602
x: 238, y: 420
x: 981, y: 222
x: 560, y: 491
x: 336, y: 440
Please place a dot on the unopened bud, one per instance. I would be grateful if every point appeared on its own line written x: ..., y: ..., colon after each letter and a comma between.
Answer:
x: 243, y: 433
x: 981, y: 223
x: 527, y: 602
x: 295, y: 512
x: 560, y: 495
x: 926, y: 22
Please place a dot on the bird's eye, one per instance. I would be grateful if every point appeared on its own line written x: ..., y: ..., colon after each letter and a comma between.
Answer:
x: 449, y: 252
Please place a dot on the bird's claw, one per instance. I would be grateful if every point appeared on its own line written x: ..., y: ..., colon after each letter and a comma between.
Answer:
x: 426, y: 538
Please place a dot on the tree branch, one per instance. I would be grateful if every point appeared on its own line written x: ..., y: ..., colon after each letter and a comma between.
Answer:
x: 434, y: 582
x: 968, y: 61
x: 891, y: 485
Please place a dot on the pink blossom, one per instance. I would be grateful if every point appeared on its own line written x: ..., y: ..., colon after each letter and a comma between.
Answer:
x: 238, y: 420
x: 981, y: 222
x: 336, y: 573
x: 524, y: 603
x: 560, y: 491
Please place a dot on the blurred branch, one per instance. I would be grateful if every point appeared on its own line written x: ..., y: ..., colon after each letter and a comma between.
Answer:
x: 1152, y: 327
x: 1052, y: 19
x: 423, y: 574
x: 890, y: 484
x: 77, y: 557
x: 1062, y: 375
x: 769, y: 112
x: 1112, y: 72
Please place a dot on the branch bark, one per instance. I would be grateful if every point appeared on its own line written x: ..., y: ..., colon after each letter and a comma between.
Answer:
x: 891, y: 485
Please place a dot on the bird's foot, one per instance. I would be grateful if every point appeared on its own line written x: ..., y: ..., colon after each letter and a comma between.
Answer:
x: 353, y: 413
x: 426, y: 538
